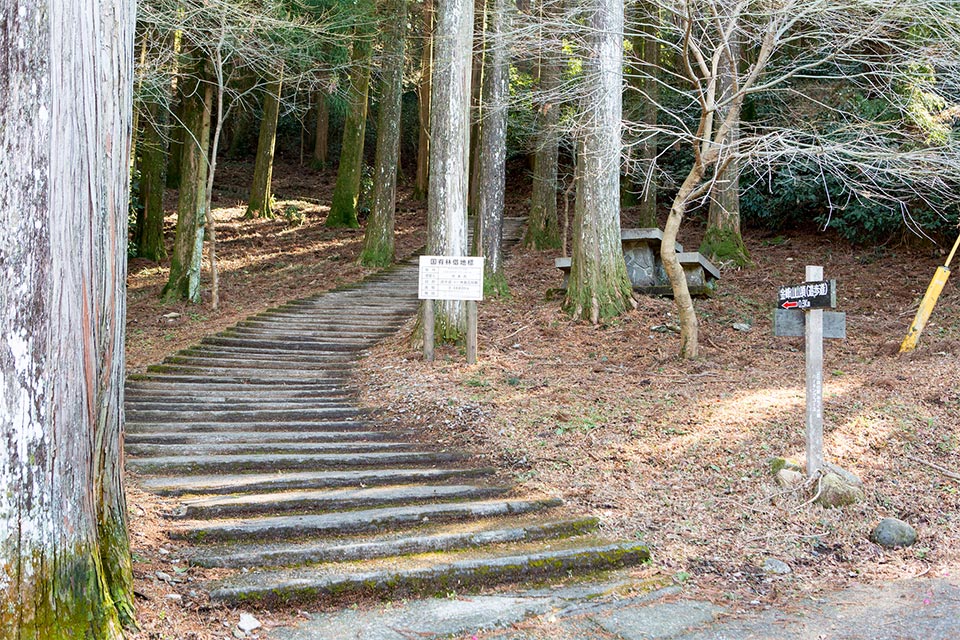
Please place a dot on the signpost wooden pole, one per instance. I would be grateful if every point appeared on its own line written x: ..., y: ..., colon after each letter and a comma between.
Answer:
x: 471, y: 332
x: 800, y: 312
x: 814, y: 359
x: 428, y: 340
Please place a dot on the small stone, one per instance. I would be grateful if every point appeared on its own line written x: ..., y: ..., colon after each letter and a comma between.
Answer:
x: 835, y: 492
x: 173, y: 596
x: 248, y: 623
x: 166, y: 577
x: 789, y: 478
x: 776, y: 567
x: 849, y: 477
x: 776, y: 464
x: 891, y: 533
x: 164, y: 552
x: 741, y: 326
x: 239, y: 634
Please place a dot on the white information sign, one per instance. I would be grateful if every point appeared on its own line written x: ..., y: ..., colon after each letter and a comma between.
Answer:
x: 451, y: 278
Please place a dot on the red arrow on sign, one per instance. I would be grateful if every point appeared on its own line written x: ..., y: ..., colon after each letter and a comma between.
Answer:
x: 791, y: 304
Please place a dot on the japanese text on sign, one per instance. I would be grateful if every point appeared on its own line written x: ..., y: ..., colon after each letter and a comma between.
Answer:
x: 450, y: 278
x: 809, y: 295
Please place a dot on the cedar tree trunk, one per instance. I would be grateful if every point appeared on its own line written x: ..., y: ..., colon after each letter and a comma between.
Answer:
x: 65, y: 105
x: 259, y: 205
x: 378, y: 241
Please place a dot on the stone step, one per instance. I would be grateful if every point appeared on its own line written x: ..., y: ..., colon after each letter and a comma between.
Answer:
x: 254, y: 353
x: 281, y: 346
x: 304, y: 331
x: 246, y: 437
x: 350, y: 522
x: 428, y: 539
x: 299, y: 414
x: 257, y: 363
x: 166, y: 449
x: 260, y: 373
x: 288, y: 337
x: 242, y: 379
x: 237, y: 427
x: 232, y: 404
x: 429, y: 574
x: 323, y: 324
x: 168, y: 465
x: 161, y: 390
x: 329, y: 500
x: 250, y: 482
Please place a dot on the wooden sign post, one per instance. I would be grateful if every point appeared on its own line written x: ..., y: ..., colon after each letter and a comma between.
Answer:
x: 450, y: 278
x: 800, y: 311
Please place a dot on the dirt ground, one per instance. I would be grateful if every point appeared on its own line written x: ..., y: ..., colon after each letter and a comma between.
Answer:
x: 673, y: 452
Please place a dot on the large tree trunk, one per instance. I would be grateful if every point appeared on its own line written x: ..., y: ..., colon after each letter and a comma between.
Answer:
x: 722, y: 239
x: 493, y: 146
x: 321, y: 143
x: 346, y: 192
x: 177, y: 134
x: 542, y: 229
x: 259, y: 205
x: 598, y: 286
x: 66, y: 106
x: 153, y: 160
x: 449, y: 150
x: 185, y: 263
x: 378, y: 240
x: 423, y: 103
x: 477, y: 105
x: 647, y: 45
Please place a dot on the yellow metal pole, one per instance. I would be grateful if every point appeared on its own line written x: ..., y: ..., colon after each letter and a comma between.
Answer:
x: 928, y: 303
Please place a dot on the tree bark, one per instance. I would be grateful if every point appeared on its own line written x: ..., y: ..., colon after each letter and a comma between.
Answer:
x: 346, y: 192
x: 477, y: 105
x: 378, y: 241
x: 185, y: 262
x: 259, y: 204
x: 493, y: 146
x: 153, y: 160
x: 321, y: 144
x: 647, y: 44
x: 542, y: 227
x: 722, y: 239
x: 449, y: 150
x: 66, y: 104
x: 598, y: 286
x: 423, y: 104
x: 689, y: 340
x: 177, y: 135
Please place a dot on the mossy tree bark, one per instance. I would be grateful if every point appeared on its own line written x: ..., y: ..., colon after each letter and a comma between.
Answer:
x: 598, y: 286
x: 488, y: 237
x: 543, y: 230
x: 423, y: 103
x: 378, y: 240
x: 477, y: 106
x: 259, y: 205
x: 449, y: 150
x: 66, y: 106
x: 321, y: 143
x: 723, y: 239
x: 346, y: 191
x: 185, y: 262
x: 177, y: 134
x: 153, y: 160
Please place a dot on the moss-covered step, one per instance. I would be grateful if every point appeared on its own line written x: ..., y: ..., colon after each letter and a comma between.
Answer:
x: 192, y: 464
x: 429, y: 574
x: 350, y: 522
x: 426, y: 539
x: 281, y: 346
x: 248, y: 437
x: 262, y: 362
x: 262, y: 447
x: 210, y: 351
x: 312, y: 500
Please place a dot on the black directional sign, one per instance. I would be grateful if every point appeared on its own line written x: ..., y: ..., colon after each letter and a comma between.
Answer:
x: 809, y: 295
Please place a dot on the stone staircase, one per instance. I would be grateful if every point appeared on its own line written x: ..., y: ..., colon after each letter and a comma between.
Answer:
x: 280, y: 476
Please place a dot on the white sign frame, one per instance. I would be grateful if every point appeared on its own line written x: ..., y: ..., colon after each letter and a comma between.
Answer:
x: 450, y: 278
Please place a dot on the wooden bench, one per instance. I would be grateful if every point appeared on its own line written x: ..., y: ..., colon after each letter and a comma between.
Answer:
x: 641, y: 253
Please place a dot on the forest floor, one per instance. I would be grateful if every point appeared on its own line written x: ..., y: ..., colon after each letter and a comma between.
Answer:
x: 673, y: 452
